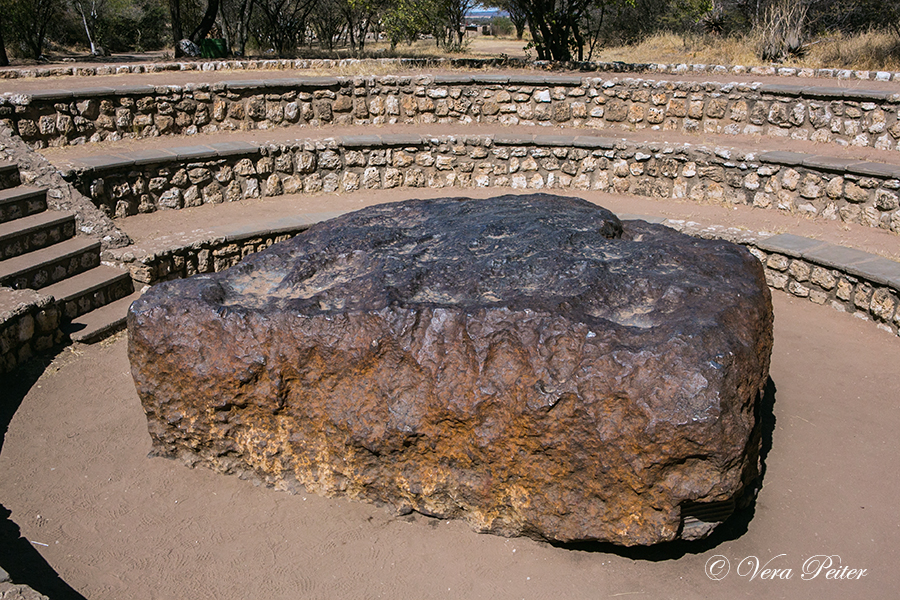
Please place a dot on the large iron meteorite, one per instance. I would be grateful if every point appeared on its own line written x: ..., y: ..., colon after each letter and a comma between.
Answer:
x: 527, y: 363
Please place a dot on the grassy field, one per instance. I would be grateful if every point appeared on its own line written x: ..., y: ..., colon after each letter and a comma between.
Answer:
x: 868, y: 51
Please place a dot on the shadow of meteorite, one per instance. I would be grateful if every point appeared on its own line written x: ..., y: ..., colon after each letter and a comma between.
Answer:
x: 18, y: 557
x: 733, y: 528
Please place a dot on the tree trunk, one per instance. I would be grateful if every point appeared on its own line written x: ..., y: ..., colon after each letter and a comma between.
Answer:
x: 209, y: 19
x: 226, y: 30
x: 4, y: 59
x: 579, y: 41
x: 244, y: 25
x: 87, y: 29
x: 361, y: 27
x: 177, y: 36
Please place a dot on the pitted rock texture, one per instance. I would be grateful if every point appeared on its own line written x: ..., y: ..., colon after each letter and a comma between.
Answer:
x: 527, y: 363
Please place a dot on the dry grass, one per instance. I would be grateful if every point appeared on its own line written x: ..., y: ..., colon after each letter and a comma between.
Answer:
x: 874, y: 50
x: 674, y: 48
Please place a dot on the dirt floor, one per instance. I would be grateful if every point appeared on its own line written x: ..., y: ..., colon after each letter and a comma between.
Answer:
x: 116, y: 524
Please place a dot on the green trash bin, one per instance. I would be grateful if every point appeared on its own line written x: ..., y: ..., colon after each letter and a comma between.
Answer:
x: 213, y: 48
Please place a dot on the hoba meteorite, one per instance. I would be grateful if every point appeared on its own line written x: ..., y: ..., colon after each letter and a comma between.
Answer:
x: 527, y: 363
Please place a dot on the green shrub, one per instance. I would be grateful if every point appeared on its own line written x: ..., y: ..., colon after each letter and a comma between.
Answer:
x: 502, y: 26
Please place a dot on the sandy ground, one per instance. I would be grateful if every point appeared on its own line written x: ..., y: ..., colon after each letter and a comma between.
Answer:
x: 116, y: 524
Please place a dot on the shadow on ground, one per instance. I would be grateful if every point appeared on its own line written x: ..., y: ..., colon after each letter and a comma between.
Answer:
x: 18, y: 556
x: 736, y: 526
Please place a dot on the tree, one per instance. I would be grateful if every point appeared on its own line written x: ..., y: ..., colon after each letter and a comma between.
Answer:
x: 4, y: 59
x: 445, y: 21
x: 328, y: 22
x: 29, y: 20
x: 404, y: 21
x: 359, y: 16
x: 175, y: 12
x: 207, y: 22
x: 516, y: 14
x: 89, y: 19
x: 282, y: 24
x: 236, y: 16
x: 202, y: 29
x: 554, y: 26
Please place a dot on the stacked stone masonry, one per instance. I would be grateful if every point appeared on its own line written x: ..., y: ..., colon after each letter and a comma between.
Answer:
x: 9, y: 175
x: 839, y: 289
x: 54, y: 231
x: 824, y: 114
x: 835, y: 189
x: 29, y: 325
x: 207, y: 255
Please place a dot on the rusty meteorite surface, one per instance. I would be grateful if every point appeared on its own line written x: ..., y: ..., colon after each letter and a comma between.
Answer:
x: 527, y: 363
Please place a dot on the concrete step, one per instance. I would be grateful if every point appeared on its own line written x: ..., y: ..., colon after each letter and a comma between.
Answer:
x: 21, y: 201
x: 90, y: 290
x: 9, y: 175
x: 34, y: 232
x: 44, y: 267
x: 101, y: 323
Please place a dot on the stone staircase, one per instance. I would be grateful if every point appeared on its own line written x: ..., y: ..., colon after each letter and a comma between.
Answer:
x: 39, y: 251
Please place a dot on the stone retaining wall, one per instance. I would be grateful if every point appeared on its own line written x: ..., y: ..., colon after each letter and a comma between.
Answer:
x: 837, y: 287
x: 824, y: 114
x: 836, y: 189
x: 29, y: 325
x: 208, y: 255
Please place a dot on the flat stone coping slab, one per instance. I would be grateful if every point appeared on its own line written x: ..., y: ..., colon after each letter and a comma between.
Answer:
x: 222, y: 234
x: 848, y: 260
x: 829, y: 163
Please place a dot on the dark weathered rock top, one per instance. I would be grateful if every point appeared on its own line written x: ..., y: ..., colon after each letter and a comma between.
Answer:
x: 537, y: 252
